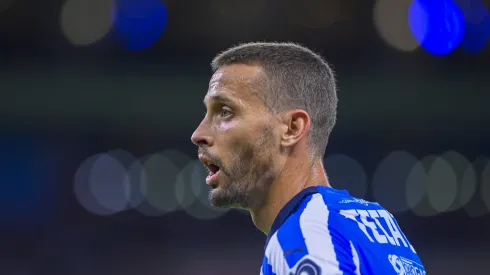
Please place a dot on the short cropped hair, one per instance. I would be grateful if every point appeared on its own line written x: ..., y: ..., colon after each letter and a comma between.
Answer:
x: 295, y: 78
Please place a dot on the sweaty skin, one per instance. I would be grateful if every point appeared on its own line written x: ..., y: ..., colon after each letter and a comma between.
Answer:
x: 263, y: 156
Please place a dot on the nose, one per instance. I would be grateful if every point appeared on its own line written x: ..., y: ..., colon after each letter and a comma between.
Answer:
x: 201, y: 136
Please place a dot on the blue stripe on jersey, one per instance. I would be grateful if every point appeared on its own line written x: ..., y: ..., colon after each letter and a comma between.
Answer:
x: 291, y: 237
x: 342, y: 246
x: 267, y: 267
x: 288, y: 209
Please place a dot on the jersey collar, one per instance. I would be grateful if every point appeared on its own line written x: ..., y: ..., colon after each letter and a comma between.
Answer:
x: 288, y: 209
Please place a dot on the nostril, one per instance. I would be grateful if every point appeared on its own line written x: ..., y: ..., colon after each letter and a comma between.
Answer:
x: 202, y: 142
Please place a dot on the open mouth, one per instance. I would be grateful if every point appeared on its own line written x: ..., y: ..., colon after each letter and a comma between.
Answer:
x: 213, y: 170
x: 212, y: 176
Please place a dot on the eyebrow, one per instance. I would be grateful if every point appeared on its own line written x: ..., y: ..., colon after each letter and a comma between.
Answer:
x: 220, y: 99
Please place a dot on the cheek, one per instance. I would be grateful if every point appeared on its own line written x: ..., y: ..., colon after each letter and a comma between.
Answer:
x: 229, y: 135
x: 226, y: 126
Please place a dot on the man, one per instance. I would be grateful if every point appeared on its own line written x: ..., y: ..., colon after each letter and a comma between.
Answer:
x: 270, y: 110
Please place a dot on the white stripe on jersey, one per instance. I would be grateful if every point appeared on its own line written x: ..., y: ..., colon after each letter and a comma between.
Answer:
x: 355, y: 257
x: 317, y: 235
x: 275, y: 255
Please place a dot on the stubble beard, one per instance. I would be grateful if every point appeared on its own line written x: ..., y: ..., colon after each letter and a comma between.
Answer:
x: 248, y: 177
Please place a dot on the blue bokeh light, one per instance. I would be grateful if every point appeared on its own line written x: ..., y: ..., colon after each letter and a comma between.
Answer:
x: 139, y: 23
x: 438, y: 25
x: 477, y: 25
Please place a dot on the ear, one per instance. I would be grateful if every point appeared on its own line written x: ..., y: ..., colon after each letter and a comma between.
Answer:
x: 296, y: 125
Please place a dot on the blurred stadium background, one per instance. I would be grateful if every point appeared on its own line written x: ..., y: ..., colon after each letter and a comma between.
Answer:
x: 99, y: 99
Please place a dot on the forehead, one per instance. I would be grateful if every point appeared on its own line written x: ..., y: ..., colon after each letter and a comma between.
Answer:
x: 235, y: 82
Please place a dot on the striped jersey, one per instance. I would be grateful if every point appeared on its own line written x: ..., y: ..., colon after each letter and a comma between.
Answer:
x: 326, y: 231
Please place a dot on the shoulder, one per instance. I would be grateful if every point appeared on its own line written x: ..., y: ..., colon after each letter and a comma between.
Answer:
x: 341, y: 199
x: 297, y: 261
x: 306, y: 240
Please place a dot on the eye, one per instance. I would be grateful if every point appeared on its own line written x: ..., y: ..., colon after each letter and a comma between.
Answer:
x: 225, y: 113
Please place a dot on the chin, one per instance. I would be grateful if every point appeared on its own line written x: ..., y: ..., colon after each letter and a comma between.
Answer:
x: 223, y: 198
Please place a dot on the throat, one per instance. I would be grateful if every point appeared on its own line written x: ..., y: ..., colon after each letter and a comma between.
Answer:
x: 263, y: 220
x: 283, y: 190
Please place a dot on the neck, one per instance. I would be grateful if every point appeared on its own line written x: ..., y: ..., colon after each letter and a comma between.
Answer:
x: 294, y: 178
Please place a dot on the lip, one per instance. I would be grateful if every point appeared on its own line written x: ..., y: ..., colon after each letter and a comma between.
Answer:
x: 211, y: 179
x: 206, y: 161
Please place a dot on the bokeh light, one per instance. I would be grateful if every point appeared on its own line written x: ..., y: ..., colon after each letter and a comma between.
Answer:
x: 437, y: 25
x: 477, y: 25
x: 169, y: 181
x: 185, y: 192
x: 391, y: 21
x: 126, y: 159
x: 424, y: 207
x: 161, y: 174
x: 131, y: 182
x: 139, y: 23
x: 442, y: 187
x: 476, y: 206
x: 468, y: 186
x: 460, y: 165
x: 390, y: 180
x: 84, y: 22
x: 417, y: 182
x: 346, y: 173
x: 106, y: 180
x: 135, y: 184
x: 83, y: 189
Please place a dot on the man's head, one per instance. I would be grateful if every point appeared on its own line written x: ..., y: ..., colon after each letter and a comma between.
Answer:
x: 265, y: 101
